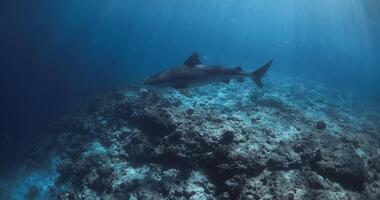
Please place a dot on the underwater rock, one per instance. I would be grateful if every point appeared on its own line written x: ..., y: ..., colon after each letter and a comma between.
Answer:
x: 189, y: 111
x: 284, y: 158
x: 315, y: 181
x: 65, y: 196
x: 339, y: 162
x: 274, y: 185
x: 152, y: 121
x: 93, y: 170
x: 343, y: 166
x: 227, y: 137
x: 321, y: 125
x: 224, y: 143
x: 374, y: 163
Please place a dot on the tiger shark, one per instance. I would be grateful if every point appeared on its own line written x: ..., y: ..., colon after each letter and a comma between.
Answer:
x: 192, y: 73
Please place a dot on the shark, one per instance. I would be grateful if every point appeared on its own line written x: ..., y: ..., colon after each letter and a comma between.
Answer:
x: 192, y: 73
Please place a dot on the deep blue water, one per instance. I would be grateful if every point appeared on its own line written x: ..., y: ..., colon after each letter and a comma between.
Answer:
x: 55, y: 55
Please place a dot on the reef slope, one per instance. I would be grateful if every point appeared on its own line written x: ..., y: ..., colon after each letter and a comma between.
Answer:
x: 290, y: 140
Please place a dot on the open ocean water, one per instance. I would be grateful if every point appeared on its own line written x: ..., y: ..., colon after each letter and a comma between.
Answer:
x: 78, y: 121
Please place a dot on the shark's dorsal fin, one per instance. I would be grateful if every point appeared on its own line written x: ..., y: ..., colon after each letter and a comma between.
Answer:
x: 193, y: 60
x: 238, y: 69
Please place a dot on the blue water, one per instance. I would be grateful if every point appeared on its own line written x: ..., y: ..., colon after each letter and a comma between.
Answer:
x: 55, y: 55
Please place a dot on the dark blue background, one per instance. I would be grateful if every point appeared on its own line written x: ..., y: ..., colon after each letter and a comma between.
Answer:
x: 54, y: 55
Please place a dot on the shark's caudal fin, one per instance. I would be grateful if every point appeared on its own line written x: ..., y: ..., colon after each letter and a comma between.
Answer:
x: 259, y: 73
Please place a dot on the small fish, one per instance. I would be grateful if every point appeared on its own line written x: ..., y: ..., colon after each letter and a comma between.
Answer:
x: 193, y: 74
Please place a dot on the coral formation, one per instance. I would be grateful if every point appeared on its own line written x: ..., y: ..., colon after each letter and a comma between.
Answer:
x: 229, y: 141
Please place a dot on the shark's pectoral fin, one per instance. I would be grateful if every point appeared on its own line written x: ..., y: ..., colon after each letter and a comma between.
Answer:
x: 226, y: 81
x: 182, y: 88
x: 185, y: 92
x: 193, y: 60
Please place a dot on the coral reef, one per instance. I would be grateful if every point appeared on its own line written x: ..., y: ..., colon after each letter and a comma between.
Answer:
x: 289, y: 140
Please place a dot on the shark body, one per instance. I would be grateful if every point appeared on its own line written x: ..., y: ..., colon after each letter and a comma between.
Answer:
x: 193, y: 74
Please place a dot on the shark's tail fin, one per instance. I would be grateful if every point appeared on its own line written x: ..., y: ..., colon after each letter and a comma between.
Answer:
x: 259, y: 73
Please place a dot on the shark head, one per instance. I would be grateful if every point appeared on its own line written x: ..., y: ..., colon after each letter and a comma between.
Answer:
x: 170, y: 77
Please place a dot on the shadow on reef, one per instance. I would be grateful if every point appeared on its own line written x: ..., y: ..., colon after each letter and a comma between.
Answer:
x: 226, y: 143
